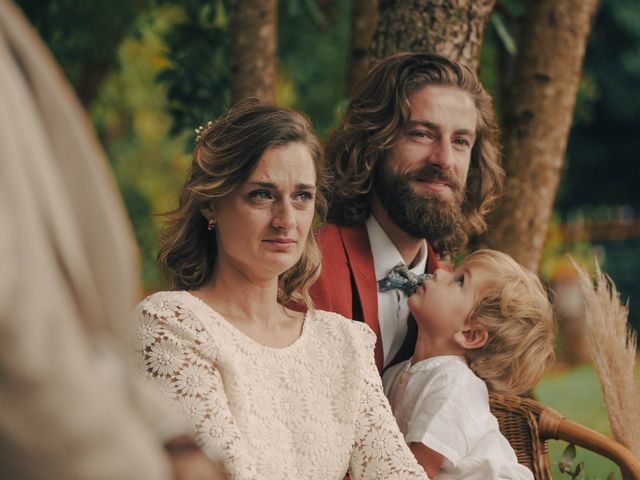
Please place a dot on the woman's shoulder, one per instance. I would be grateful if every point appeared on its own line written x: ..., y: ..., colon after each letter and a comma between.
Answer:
x: 350, y: 331
x: 163, y: 303
x: 178, y: 311
x: 177, y: 306
x: 163, y: 296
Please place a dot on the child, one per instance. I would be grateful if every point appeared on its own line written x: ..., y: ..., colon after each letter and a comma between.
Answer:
x: 491, y: 319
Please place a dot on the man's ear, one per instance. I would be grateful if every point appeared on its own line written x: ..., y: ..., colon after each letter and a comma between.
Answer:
x: 471, y: 337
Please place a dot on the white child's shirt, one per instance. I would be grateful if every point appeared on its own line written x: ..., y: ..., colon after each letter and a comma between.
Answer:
x: 441, y: 403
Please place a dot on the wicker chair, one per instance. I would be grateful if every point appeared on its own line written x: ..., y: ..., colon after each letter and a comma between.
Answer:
x: 528, y: 424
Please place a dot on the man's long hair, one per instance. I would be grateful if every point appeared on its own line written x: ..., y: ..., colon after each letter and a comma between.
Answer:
x: 374, y: 123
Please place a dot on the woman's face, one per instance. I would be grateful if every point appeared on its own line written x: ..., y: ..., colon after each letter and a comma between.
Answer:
x: 262, y: 226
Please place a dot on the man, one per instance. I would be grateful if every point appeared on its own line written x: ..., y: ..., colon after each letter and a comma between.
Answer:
x: 415, y: 166
x: 70, y: 406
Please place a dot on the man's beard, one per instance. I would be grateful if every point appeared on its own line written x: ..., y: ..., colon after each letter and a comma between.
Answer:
x: 424, y: 214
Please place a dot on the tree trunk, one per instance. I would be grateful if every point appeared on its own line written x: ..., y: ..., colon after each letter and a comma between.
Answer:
x: 453, y: 28
x: 537, y: 122
x: 364, y: 18
x: 252, y: 28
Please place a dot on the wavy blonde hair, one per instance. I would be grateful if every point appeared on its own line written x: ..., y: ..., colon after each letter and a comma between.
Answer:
x: 374, y: 123
x: 515, y: 310
x: 226, y: 153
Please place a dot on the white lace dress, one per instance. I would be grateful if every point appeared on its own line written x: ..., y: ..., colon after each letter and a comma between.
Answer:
x: 312, y: 410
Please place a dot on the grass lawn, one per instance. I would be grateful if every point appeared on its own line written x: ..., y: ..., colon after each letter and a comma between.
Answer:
x: 575, y: 393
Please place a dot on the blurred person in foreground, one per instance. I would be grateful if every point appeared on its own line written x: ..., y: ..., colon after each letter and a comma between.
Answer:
x: 70, y: 406
x: 282, y: 394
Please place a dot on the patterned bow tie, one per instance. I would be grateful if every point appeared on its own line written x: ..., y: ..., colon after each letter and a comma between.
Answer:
x: 402, y: 278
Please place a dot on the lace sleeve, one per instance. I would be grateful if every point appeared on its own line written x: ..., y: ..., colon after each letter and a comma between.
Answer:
x: 175, y: 353
x: 380, y: 451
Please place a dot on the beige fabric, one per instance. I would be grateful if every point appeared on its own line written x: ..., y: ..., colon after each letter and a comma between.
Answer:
x: 311, y: 410
x: 69, y: 409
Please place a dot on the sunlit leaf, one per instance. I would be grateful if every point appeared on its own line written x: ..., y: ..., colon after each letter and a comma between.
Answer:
x: 569, y: 454
x: 504, y: 35
x: 564, y: 467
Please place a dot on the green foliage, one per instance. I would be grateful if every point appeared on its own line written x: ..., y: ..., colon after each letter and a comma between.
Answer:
x: 622, y: 263
x: 197, y: 78
x: 565, y: 465
x: 558, y: 249
x: 601, y: 167
x: 515, y: 8
x: 130, y: 117
x: 83, y: 34
x: 503, y: 33
x: 312, y: 53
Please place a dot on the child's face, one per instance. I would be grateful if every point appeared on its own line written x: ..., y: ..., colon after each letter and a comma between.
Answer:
x: 442, y: 304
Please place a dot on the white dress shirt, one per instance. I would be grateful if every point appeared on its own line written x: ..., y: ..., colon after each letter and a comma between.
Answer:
x: 393, y: 311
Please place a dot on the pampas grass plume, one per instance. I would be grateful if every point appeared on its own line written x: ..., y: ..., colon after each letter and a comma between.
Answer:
x: 612, y: 346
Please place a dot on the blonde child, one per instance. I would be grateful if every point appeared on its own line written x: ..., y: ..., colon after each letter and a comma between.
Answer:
x: 489, y: 324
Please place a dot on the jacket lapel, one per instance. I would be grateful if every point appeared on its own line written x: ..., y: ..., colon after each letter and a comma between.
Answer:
x: 358, y: 249
x: 432, y: 260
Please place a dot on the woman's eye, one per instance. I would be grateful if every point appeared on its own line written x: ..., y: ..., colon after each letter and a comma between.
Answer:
x: 460, y: 280
x: 304, y: 196
x: 260, y: 195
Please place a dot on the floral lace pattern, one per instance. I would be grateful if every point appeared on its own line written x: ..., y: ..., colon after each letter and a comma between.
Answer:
x: 314, y: 409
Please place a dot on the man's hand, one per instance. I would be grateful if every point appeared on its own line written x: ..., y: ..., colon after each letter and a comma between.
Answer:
x: 189, y: 462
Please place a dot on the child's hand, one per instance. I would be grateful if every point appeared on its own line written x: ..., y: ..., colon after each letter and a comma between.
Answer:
x: 429, y: 459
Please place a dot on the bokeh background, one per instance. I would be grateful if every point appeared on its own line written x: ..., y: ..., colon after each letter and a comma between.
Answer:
x: 149, y: 72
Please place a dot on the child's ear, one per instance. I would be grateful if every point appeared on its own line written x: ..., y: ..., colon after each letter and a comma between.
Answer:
x: 471, y: 337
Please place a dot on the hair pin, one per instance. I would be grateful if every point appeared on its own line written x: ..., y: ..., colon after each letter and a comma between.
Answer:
x: 201, y: 129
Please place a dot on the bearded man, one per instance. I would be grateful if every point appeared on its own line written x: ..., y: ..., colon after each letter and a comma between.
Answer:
x: 415, y: 169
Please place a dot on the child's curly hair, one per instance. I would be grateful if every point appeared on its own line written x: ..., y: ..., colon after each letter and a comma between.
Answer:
x: 515, y: 310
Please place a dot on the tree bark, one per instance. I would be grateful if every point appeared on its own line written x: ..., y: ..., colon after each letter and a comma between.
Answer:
x: 364, y: 18
x: 537, y: 122
x: 252, y: 27
x: 453, y: 28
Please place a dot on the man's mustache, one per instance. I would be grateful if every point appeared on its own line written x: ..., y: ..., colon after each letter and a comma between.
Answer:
x: 430, y: 173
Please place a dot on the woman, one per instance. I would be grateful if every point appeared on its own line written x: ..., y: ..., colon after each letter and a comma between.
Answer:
x: 281, y: 393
